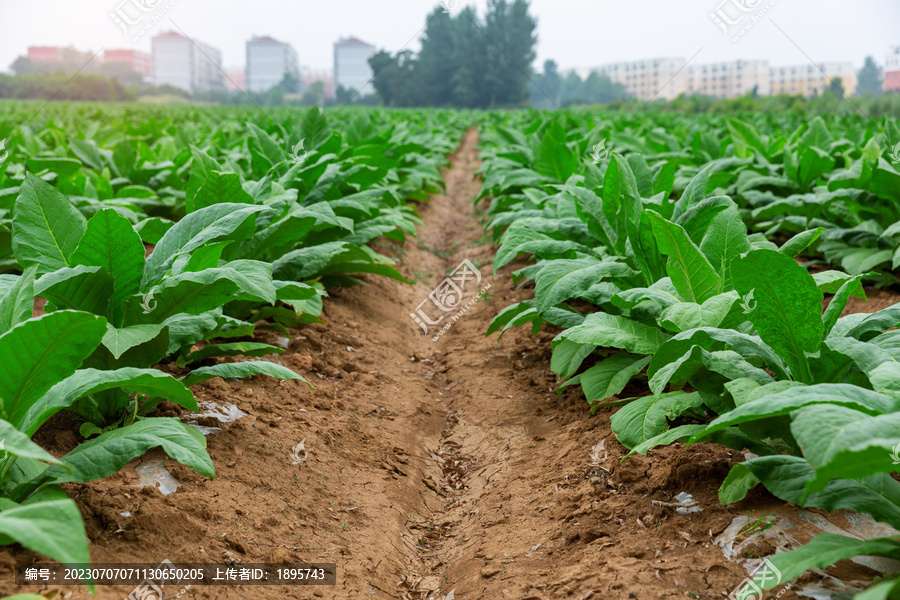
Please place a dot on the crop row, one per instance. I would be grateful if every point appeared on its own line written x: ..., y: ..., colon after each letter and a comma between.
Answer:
x: 672, y: 262
x: 161, y: 241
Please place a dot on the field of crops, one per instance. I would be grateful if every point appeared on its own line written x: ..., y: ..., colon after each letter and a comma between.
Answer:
x: 699, y: 280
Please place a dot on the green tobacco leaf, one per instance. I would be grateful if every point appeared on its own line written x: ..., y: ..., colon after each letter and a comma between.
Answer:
x: 17, y: 443
x: 788, y: 305
x: 690, y: 315
x: 553, y: 157
x: 78, y: 288
x: 46, y: 228
x: 38, y: 353
x: 711, y: 339
x: 52, y: 527
x: 120, y: 340
x: 825, y: 550
x: 682, y: 433
x: 850, y: 287
x: 111, y: 242
x: 726, y: 362
x: 562, y: 280
x: 208, y: 224
x: 787, y: 477
x: 85, y: 382
x: 18, y: 303
x: 231, y: 349
x: 800, y: 242
x: 692, y: 275
x: 842, y: 443
x: 218, y: 188
x: 614, y: 331
x: 725, y: 240
x: 567, y: 357
x: 647, y: 417
x: 108, y: 453
x: 191, y: 293
x: 831, y: 281
x: 240, y: 369
x: 609, y: 378
x: 693, y: 193
x: 785, y: 402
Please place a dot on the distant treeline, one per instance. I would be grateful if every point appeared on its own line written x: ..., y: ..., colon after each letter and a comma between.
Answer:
x: 61, y: 86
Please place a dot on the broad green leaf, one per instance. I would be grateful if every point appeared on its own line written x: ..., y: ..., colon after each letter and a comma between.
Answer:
x: 825, y: 550
x: 842, y: 443
x: 231, y: 349
x: 561, y: 280
x: 726, y: 362
x: 46, y: 228
x: 109, y: 452
x: 111, y: 242
x: 209, y: 224
x: 567, y: 357
x: 17, y: 304
x: 38, y: 353
x: 788, y: 305
x: 52, y: 527
x: 240, y: 369
x: 785, y: 402
x: 614, y: 331
x: 690, y: 315
x: 85, y: 382
x: 609, y: 378
x: 647, y: 417
x: 77, y: 288
x: 725, y: 240
x: 219, y: 188
x: 692, y: 275
x: 17, y: 443
x: 851, y: 287
x: 787, y: 476
x: 801, y: 242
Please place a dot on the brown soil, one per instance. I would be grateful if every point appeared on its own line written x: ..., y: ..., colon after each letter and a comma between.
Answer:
x: 432, y: 466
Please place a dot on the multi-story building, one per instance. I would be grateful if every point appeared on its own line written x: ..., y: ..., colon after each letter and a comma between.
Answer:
x: 351, y: 65
x: 811, y: 80
x: 186, y: 64
x: 728, y: 79
x: 655, y: 79
x: 892, y: 71
x: 268, y: 61
x: 309, y: 76
x: 139, y: 61
x: 236, y: 79
x: 44, y: 54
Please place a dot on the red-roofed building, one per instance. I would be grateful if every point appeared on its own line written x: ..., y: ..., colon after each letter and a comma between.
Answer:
x: 137, y: 60
x: 44, y: 54
x: 351, y: 65
x: 892, y: 72
x: 268, y: 61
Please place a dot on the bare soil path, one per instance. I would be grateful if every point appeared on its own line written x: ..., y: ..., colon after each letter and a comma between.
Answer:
x: 432, y: 467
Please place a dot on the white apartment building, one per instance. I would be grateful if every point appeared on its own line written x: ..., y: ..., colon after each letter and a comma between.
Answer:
x: 351, y: 65
x: 728, y: 79
x: 268, y: 61
x: 186, y: 64
x: 654, y: 79
x: 811, y: 80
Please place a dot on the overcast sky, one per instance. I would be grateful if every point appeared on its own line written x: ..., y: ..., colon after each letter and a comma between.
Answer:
x: 575, y: 33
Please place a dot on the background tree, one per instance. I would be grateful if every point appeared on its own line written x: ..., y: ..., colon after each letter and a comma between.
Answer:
x: 836, y: 87
x: 869, y: 79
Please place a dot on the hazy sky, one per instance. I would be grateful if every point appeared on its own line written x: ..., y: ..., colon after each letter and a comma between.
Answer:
x: 576, y: 33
